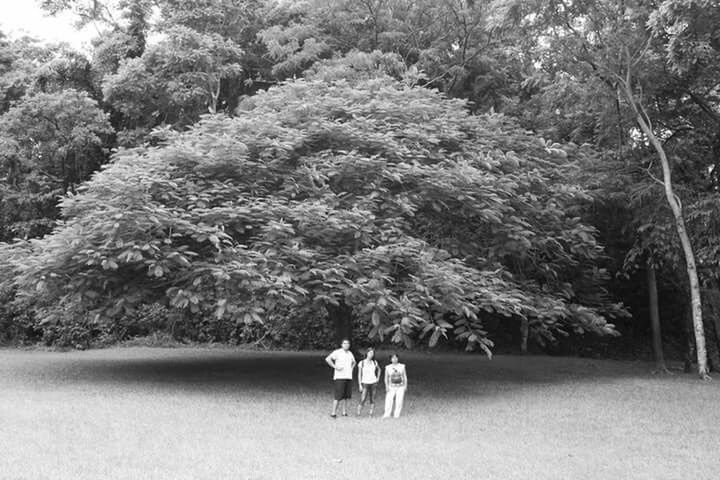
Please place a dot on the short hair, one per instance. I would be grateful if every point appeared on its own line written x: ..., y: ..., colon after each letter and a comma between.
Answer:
x: 344, y: 340
x: 394, y: 354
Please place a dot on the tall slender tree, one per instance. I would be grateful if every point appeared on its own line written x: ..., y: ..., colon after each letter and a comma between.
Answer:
x: 612, y: 42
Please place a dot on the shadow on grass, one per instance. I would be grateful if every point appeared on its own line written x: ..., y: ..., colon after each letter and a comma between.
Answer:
x: 225, y: 370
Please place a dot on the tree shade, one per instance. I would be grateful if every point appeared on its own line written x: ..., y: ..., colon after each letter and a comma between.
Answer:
x: 361, y: 193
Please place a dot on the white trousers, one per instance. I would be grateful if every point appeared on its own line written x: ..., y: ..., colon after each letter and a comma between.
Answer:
x: 397, y: 394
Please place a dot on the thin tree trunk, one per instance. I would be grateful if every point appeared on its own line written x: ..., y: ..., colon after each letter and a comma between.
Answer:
x: 689, y: 339
x: 63, y: 169
x: 655, y: 321
x: 673, y: 200
x: 716, y: 316
x: 695, y: 299
x: 341, y: 317
x: 214, y: 95
x: 713, y: 353
x: 524, y: 333
x: 711, y: 317
x: 621, y: 144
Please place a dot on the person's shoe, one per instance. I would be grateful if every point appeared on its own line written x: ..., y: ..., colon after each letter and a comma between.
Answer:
x: 359, y: 411
x: 344, y: 414
x: 333, y: 415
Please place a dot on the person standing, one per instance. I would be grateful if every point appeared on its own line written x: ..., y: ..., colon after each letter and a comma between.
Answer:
x: 395, y: 386
x: 342, y: 361
x: 368, y: 378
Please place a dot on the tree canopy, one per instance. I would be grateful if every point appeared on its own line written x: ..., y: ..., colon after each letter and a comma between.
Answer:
x: 360, y: 190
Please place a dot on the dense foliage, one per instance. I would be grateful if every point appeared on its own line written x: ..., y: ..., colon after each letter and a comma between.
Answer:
x: 390, y: 199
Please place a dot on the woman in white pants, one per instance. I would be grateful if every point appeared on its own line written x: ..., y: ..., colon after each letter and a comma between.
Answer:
x: 395, y: 386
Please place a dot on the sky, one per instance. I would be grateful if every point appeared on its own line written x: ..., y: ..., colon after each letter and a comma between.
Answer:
x: 25, y: 17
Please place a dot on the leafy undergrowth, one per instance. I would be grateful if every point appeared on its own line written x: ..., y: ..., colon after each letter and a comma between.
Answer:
x: 155, y: 340
x: 223, y: 413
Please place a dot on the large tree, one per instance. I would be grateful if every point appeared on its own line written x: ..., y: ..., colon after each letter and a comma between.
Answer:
x: 390, y: 207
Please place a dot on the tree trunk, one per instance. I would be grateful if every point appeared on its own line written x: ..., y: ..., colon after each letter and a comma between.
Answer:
x: 711, y: 317
x: 689, y: 339
x: 695, y: 299
x: 713, y: 352
x: 214, y: 100
x: 213, y: 90
x: 341, y: 317
x: 524, y: 333
x: 674, y: 201
x: 137, y: 27
x: 63, y: 169
x: 655, y: 321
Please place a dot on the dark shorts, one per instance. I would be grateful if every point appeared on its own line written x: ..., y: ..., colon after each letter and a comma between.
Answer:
x: 369, y: 390
x: 343, y: 389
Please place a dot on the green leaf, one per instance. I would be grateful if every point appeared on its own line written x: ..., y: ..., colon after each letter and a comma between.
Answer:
x: 435, y: 337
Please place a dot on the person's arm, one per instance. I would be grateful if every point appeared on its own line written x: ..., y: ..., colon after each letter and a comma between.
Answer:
x: 378, y: 370
x: 360, y: 375
x: 330, y: 360
x: 387, y: 379
x: 405, y: 382
x: 352, y: 365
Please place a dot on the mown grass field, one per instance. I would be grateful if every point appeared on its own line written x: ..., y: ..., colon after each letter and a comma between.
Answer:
x: 142, y: 413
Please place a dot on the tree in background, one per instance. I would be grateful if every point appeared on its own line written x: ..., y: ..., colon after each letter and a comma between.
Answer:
x: 611, y: 42
x: 52, y: 133
x: 51, y: 142
x: 465, y: 49
x: 175, y: 80
x: 691, y: 33
x: 15, y: 70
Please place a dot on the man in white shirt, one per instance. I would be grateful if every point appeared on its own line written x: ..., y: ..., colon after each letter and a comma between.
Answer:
x: 342, y: 361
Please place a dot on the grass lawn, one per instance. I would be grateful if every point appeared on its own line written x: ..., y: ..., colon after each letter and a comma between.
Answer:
x: 142, y: 413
